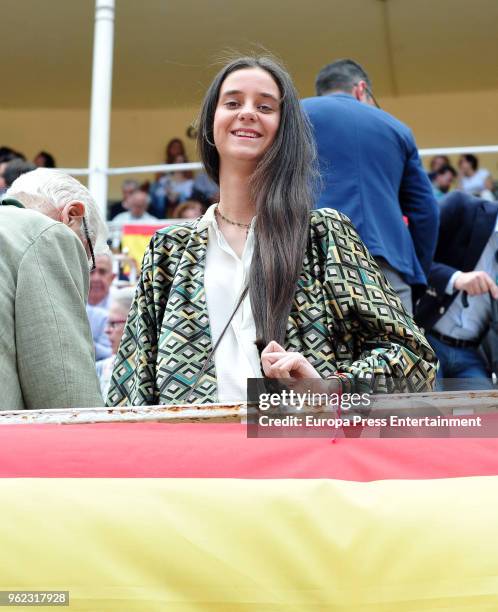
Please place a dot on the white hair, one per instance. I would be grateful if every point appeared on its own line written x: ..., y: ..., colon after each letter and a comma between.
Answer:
x: 123, y: 298
x: 34, y: 202
x: 59, y: 189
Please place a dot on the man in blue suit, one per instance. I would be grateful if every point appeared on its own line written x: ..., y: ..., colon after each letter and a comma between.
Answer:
x: 457, y: 308
x: 371, y: 172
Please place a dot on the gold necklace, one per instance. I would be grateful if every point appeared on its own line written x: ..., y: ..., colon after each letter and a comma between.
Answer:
x: 244, y: 225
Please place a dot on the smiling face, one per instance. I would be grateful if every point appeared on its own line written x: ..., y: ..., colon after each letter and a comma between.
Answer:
x: 247, y: 115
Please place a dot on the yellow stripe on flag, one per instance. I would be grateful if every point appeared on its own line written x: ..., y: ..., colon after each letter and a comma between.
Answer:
x: 136, y: 245
x: 253, y: 545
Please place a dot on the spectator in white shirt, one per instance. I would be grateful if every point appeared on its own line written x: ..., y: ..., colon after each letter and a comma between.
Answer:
x: 474, y: 180
x: 99, y: 299
x: 118, y: 313
x: 138, y: 203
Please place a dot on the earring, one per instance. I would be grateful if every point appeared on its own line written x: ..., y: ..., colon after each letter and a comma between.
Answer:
x: 211, y: 144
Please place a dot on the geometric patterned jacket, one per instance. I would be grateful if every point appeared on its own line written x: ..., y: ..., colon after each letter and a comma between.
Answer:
x: 345, y: 319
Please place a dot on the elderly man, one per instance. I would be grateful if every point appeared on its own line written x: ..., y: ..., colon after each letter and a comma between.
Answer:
x: 46, y: 355
x: 128, y: 187
x: 138, y: 203
x: 100, y: 282
x: 97, y: 317
x: 97, y: 309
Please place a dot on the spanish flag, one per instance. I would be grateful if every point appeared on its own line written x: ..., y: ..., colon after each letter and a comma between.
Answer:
x: 181, y: 517
x: 136, y: 237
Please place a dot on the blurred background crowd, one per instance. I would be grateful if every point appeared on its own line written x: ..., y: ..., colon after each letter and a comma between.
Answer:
x: 187, y: 194
x: 181, y: 195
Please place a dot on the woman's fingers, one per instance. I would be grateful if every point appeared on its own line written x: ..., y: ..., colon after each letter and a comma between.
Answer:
x: 268, y: 360
x: 293, y: 365
x: 273, y: 347
x: 272, y: 357
x: 283, y: 367
x: 271, y: 353
x: 272, y: 364
x: 276, y: 362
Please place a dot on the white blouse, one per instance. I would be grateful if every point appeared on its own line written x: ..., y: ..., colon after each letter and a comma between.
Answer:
x: 236, y: 359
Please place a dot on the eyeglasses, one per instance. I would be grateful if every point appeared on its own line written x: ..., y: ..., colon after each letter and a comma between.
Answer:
x: 90, y: 245
x: 369, y: 92
x: 114, y: 324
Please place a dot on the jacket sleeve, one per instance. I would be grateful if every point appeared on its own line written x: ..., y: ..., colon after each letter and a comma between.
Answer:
x: 379, y: 347
x: 419, y: 205
x: 53, y: 342
x: 133, y: 381
x: 451, y: 210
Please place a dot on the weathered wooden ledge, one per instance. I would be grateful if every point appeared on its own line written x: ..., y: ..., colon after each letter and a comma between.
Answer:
x: 212, y: 413
x: 447, y: 403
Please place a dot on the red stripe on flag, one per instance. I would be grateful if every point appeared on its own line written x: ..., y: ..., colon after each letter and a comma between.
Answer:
x: 143, y: 229
x: 159, y: 450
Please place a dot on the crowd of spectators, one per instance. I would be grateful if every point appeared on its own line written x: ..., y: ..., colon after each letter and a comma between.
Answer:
x: 169, y: 191
x: 183, y: 194
x: 175, y: 195
x: 163, y: 198
x: 166, y: 194
x: 13, y: 164
x: 469, y: 178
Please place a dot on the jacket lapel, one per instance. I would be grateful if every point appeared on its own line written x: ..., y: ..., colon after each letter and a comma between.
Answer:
x: 185, y: 342
x: 484, y: 223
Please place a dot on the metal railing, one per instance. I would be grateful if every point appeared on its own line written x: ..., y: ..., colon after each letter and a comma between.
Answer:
x: 198, y: 166
x: 449, y: 403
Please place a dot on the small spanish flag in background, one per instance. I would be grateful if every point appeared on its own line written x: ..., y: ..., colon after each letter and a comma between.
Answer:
x: 136, y: 237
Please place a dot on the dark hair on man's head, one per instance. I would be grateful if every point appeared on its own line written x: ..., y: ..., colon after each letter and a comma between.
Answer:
x: 444, y: 169
x: 438, y: 160
x: 282, y: 190
x: 15, y: 168
x: 48, y: 160
x: 341, y: 75
x: 7, y: 155
x: 5, y: 151
x: 472, y: 159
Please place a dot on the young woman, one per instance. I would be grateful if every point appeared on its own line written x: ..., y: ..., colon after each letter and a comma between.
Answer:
x: 316, y: 304
x: 162, y: 192
x: 174, y: 147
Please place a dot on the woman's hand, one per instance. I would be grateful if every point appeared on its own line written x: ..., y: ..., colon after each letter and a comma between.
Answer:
x: 279, y: 363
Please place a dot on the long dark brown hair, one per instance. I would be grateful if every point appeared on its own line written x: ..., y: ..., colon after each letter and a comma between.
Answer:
x: 282, y: 190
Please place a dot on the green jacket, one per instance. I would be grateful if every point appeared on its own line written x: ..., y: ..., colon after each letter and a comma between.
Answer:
x: 345, y: 318
x: 46, y: 350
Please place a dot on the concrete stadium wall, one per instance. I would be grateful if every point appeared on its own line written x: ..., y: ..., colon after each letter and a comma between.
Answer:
x: 138, y: 136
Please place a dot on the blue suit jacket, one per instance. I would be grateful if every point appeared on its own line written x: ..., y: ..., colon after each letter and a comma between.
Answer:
x: 371, y: 172
x: 466, y: 225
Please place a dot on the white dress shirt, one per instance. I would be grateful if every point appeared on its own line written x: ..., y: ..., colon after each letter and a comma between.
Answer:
x: 127, y: 217
x: 236, y: 359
